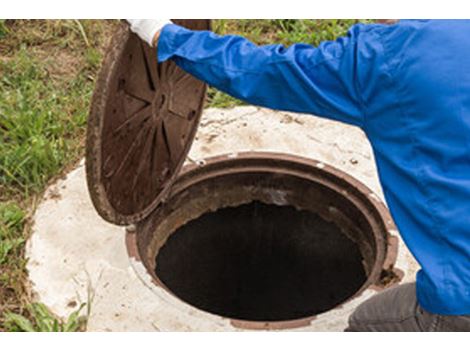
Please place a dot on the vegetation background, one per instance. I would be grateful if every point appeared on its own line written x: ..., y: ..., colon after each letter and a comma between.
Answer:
x: 47, y: 74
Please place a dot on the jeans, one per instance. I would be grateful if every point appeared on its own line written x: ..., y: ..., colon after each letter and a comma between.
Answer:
x: 397, y: 309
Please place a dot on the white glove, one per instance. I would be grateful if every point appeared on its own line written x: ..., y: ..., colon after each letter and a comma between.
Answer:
x: 146, y: 29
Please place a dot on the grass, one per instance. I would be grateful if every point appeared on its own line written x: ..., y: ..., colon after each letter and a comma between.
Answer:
x: 42, y: 320
x: 47, y: 73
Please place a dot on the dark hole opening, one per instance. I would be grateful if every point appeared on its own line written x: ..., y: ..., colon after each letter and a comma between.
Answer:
x: 261, y: 262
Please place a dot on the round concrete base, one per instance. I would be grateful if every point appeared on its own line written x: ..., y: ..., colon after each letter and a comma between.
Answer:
x: 75, y: 256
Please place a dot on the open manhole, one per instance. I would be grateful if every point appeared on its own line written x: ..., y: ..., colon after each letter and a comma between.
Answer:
x: 265, y: 238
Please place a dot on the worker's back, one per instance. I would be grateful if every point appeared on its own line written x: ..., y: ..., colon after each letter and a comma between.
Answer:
x: 418, y: 120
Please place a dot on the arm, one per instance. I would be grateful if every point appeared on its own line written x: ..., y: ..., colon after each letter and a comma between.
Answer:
x: 322, y: 80
x: 330, y: 80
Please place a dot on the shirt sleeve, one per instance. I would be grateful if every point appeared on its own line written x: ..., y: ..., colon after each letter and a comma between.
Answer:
x: 323, y: 80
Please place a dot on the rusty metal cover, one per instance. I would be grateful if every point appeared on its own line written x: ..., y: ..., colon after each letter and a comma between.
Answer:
x: 142, y: 121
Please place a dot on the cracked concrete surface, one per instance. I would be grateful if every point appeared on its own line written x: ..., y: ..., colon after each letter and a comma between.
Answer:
x: 75, y: 256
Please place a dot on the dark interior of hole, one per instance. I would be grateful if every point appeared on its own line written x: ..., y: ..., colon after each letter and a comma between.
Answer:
x: 261, y: 262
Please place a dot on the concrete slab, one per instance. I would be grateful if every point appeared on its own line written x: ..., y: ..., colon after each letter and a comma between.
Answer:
x: 75, y: 256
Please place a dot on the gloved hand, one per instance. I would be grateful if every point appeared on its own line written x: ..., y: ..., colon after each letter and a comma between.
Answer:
x: 147, y: 30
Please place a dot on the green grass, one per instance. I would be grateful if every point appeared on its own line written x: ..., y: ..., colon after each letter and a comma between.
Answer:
x: 10, y: 231
x: 12, y: 262
x: 47, y: 72
x: 35, y: 126
x: 3, y: 29
x: 42, y: 320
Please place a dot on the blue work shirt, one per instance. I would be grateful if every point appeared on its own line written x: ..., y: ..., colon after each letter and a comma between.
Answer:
x: 407, y: 86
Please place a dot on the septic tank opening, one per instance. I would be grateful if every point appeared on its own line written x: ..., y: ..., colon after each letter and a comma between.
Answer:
x: 261, y: 262
x: 267, y: 240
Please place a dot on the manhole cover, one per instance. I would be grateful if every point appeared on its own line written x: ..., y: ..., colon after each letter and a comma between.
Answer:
x: 142, y: 121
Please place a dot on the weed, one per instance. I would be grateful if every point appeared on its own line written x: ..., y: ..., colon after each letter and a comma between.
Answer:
x: 47, y: 71
x: 11, y: 225
x: 42, y: 320
x: 3, y: 28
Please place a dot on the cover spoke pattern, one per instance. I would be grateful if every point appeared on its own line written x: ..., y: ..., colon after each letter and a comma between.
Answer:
x: 143, y: 118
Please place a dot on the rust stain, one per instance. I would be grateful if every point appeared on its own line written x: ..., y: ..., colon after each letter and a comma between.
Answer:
x: 389, y: 278
x: 272, y: 325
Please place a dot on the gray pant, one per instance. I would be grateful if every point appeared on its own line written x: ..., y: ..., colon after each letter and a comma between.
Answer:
x: 397, y: 309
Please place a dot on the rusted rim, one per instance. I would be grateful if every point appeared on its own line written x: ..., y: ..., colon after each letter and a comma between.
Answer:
x: 142, y: 121
x: 253, y: 162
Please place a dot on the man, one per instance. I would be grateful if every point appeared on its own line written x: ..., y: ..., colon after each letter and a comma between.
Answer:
x: 407, y: 85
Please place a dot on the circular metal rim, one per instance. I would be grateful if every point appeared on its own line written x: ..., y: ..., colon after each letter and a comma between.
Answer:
x: 363, y: 198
